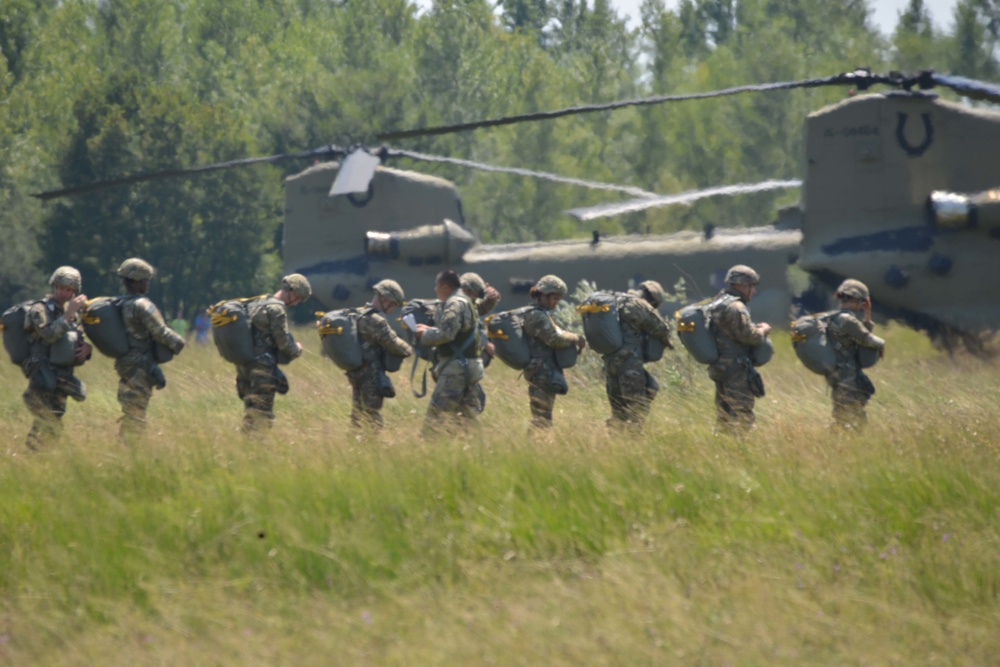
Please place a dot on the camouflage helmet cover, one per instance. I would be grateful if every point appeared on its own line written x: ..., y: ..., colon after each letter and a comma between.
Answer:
x: 134, y: 268
x: 66, y: 276
x: 391, y: 290
x: 655, y: 291
x: 473, y: 282
x: 852, y: 289
x: 551, y: 284
x: 742, y: 275
x: 297, y: 284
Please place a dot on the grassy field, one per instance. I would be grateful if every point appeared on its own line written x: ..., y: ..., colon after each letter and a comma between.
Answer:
x: 321, y: 546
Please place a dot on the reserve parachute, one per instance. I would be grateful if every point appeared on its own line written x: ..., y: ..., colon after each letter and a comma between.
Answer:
x: 817, y: 350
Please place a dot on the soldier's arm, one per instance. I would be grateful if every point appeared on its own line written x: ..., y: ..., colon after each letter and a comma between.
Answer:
x: 740, y: 327
x: 38, y: 321
x: 381, y: 334
x: 283, y: 338
x: 488, y: 302
x: 153, y: 322
x: 858, y: 331
x: 539, y: 324
x: 449, y: 323
x: 648, y: 320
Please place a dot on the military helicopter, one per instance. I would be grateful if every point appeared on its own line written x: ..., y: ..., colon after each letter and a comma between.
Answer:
x: 897, y: 193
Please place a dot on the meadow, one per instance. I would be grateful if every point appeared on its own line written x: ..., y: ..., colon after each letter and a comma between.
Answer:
x: 320, y: 545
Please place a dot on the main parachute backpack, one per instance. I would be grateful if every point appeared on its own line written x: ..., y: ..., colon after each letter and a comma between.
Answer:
x: 601, y: 325
x: 816, y: 349
x: 694, y: 328
x: 338, y: 331
x: 104, y: 326
x: 506, y: 331
x: 423, y: 312
x: 231, y: 330
x: 15, y: 338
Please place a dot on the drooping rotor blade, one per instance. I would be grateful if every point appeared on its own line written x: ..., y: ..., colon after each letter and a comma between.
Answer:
x: 861, y: 78
x: 977, y: 90
x: 633, y: 205
x: 595, y: 185
x: 355, y: 174
x: 325, y: 151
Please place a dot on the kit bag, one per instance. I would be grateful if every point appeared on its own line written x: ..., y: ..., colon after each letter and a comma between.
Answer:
x: 231, y: 330
x: 601, y: 324
x: 652, y: 349
x: 104, y: 326
x: 338, y: 331
x: 423, y: 312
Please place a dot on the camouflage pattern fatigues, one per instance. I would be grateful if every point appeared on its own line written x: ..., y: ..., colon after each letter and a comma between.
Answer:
x: 630, y: 387
x: 48, y: 385
x: 545, y: 378
x: 368, y: 381
x: 735, y: 335
x: 848, y: 332
x: 258, y: 381
x: 455, y: 392
x: 138, y: 372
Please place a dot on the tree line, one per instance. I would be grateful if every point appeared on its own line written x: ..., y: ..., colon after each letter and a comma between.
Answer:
x: 97, y: 89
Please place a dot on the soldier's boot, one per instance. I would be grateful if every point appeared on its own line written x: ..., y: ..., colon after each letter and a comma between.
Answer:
x: 73, y: 387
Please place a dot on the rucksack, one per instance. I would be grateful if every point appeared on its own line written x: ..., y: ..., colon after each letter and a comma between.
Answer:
x: 338, y: 331
x: 695, y: 331
x: 817, y: 350
x: 601, y: 324
x: 15, y: 338
x: 231, y: 330
x: 423, y: 312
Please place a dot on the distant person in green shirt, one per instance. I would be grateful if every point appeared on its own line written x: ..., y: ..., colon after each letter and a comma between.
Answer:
x: 180, y: 325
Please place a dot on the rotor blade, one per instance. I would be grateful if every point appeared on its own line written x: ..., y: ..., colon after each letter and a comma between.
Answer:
x: 633, y: 205
x: 977, y: 90
x: 860, y: 78
x: 596, y: 185
x: 325, y: 151
x: 355, y: 174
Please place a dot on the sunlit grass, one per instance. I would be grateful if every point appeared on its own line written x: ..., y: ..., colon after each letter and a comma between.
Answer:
x: 322, y: 545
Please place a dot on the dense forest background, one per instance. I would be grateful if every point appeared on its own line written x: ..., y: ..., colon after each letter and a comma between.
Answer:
x: 96, y: 89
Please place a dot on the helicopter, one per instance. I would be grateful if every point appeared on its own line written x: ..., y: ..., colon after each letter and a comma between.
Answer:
x: 897, y: 193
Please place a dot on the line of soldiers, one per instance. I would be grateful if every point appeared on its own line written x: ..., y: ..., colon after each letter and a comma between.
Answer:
x: 458, y: 397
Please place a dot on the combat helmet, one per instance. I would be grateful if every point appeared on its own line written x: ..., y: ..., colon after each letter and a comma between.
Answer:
x: 551, y: 284
x: 134, y: 268
x: 297, y: 284
x: 66, y: 276
x: 742, y: 275
x: 391, y: 290
x: 473, y: 282
x: 655, y: 291
x: 852, y: 289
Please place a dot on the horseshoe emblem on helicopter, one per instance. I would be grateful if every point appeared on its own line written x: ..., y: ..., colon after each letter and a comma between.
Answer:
x: 921, y: 148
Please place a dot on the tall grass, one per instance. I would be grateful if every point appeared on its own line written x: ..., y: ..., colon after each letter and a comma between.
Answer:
x: 323, y: 545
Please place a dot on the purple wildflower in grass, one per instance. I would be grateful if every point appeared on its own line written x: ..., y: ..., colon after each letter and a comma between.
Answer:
x: 366, y: 617
x: 944, y: 537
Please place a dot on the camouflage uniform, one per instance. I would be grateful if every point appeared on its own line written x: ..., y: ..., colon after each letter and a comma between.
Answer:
x: 630, y: 387
x: 48, y: 385
x: 848, y: 332
x: 545, y: 378
x: 485, y: 300
x: 138, y: 372
x: 370, y: 386
x: 258, y: 381
x: 455, y: 392
x: 735, y: 335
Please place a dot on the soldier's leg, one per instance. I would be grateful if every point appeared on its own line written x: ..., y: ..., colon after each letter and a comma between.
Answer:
x: 445, y: 405
x: 542, y: 404
x: 635, y: 397
x: 734, y: 402
x: 135, y: 387
x: 612, y: 388
x: 470, y: 405
x: 48, y: 407
x: 258, y: 399
x: 849, y: 406
x: 367, y: 399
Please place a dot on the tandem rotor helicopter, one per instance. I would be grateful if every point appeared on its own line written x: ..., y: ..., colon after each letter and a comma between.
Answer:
x: 900, y: 191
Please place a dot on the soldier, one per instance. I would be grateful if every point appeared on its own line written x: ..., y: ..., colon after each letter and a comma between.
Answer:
x: 45, y: 323
x: 545, y: 378
x: 737, y: 382
x: 485, y: 297
x: 459, y: 367
x: 849, y: 330
x: 258, y: 381
x: 138, y: 372
x: 370, y: 385
x: 631, y: 389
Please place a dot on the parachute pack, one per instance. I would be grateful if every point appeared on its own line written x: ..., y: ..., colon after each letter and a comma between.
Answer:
x: 602, y: 326
x: 104, y: 326
x: 231, y: 330
x: 423, y: 313
x: 816, y: 349
x: 15, y: 338
x: 338, y: 331
x: 694, y: 329
x: 506, y: 331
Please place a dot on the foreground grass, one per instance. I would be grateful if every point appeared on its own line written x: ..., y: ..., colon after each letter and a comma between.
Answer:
x: 320, y: 546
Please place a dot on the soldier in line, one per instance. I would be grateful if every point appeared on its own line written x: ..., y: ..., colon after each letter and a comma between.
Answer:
x: 370, y: 385
x: 138, y: 372
x: 258, y: 381
x: 45, y: 323
x: 849, y: 330
x: 737, y: 382
x: 545, y: 378
x: 459, y: 367
x: 631, y: 389
x: 485, y: 297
